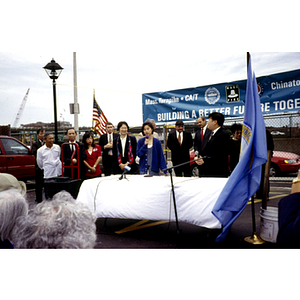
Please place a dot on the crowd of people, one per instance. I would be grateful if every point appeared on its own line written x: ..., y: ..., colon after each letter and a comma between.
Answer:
x: 61, y: 222
x: 142, y: 154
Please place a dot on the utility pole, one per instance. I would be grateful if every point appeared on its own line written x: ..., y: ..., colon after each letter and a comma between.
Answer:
x: 76, y: 105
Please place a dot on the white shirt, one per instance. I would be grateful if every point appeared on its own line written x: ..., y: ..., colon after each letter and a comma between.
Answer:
x: 181, y: 136
x: 48, y: 159
x: 123, y: 142
x: 110, y: 136
x: 72, y: 146
x: 204, y: 129
x: 214, y: 131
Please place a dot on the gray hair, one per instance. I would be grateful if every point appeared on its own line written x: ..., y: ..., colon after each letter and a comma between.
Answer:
x: 60, y: 223
x: 149, y: 121
x: 12, y: 206
x: 46, y: 134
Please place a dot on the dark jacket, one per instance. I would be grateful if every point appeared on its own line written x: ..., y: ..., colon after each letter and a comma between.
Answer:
x: 67, y: 154
x: 158, y: 159
x: 289, y: 220
x: 35, y: 146
x: 180, y: 153
x: 102, y: 142
x: 198, y: 145
x: 117, y: 169
x: 216, y: 152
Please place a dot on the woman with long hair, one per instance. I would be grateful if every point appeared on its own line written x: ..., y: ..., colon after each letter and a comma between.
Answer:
x: 150, y: 152
x: 124, y: 150
x: 93, y: 152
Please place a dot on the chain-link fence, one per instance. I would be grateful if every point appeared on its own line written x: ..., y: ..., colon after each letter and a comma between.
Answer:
x: 284, y: 129
x: 285, y: 134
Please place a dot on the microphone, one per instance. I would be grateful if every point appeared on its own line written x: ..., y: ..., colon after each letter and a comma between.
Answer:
x: 196, y: 153
x: 147, y: 136
x: 148, y: 175
x: 127, y: 168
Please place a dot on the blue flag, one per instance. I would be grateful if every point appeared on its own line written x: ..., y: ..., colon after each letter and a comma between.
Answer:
x: 245, y: 178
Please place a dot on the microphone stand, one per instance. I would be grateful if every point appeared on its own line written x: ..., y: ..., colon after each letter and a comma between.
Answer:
x: 124, y: 173
x: 172, y: 185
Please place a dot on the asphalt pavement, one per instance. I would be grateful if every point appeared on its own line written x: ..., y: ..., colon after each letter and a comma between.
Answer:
x: 147, y: 234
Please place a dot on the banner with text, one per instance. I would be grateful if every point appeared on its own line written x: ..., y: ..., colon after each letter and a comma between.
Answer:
x: 278, y: 93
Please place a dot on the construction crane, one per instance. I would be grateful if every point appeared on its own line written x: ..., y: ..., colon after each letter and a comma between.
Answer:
x: 21, y: 109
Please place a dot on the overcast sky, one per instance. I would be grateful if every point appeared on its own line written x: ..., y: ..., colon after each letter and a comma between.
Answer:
x: 126, y: 48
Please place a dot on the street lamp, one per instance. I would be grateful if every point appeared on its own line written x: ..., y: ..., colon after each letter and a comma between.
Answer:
x: 53, y: 69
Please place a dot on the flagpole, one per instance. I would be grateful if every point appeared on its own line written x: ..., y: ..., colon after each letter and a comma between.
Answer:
x: 93, y: 108
x: 266, y: 181
x: 254, y: 239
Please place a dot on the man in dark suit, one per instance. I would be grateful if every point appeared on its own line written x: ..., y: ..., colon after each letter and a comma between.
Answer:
x: 180, y: 142
x: 216, y: 150
x: 202, y: 135
x: 106, y: 143
x: 67, y: 154
x: 39, y: 174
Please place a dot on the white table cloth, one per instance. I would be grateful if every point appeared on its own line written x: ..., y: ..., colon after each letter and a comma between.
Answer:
x: 150, y: 198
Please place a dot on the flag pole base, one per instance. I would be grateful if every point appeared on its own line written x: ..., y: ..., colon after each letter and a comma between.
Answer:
x: 254, y: 239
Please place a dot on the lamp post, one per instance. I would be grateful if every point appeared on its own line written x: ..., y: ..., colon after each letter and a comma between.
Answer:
x: 53, y: 69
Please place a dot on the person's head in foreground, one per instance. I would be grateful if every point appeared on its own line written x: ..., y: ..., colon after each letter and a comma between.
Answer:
x: 12, y: 206
x: 60, y: 223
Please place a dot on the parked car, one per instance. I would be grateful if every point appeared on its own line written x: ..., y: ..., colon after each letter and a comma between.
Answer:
x: 284, y: 162
x: 281, y: 162
x: 16, y: 158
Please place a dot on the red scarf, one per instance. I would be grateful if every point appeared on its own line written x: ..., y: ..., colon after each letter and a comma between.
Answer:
x: 130, y: 155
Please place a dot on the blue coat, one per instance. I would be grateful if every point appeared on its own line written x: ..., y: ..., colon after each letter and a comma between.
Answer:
x: 289, y: 220
x: 158, y: 159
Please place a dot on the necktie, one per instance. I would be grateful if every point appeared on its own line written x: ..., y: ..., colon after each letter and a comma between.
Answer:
x: 179, y: 139
x: 109, y: 140
x: 72, y: 147
x: 211, y: 135
x: 201, y: 135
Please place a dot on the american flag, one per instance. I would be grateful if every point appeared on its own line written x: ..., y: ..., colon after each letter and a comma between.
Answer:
x: 99, y: 119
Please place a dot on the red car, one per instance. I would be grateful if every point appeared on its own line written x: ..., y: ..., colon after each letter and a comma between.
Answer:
x: 284, y: 162
x: 16, y: 158
x: 281, y: 162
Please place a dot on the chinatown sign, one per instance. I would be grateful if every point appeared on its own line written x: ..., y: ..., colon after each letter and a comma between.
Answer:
x: 279, y: 93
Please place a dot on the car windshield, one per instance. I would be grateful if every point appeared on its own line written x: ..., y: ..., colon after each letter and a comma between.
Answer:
x: 13, y: 147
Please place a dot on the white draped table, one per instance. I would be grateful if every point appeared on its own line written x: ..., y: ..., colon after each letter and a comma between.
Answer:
x: 150, y: 198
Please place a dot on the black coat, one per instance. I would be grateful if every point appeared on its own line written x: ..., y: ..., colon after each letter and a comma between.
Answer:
x: 216, y: 151
x: 198, y: 145
x: 107, y: 160
x: 67, y: 154
x: 180, y: 153
x: 102, y: 142
x: 35, y: 146
x: 117, y: 169
x: 289, y: 220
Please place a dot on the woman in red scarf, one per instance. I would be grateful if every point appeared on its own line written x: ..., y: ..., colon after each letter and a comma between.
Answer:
x: 93, y: 153
x: 124, y: 150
